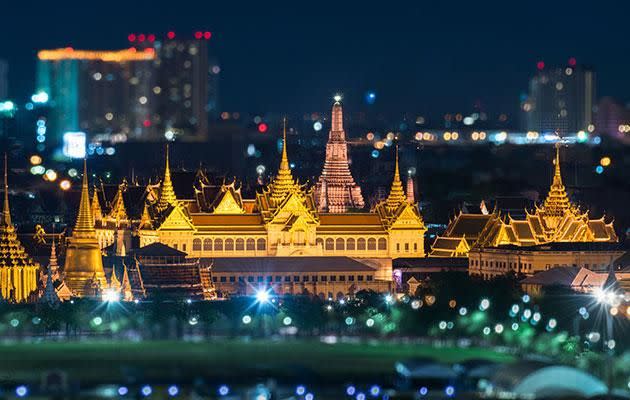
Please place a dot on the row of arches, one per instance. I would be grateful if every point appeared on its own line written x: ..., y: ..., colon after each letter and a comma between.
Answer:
x: 350, y: 244
x: 230, y: 244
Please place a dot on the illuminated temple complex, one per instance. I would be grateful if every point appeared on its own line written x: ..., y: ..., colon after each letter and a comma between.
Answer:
x: 556, y: 220
x: 336, y: 191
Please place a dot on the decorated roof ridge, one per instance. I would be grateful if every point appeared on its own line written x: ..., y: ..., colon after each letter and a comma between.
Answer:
x: 5, y: 221
x: 167, y: 193
x: 283, y: 183
x: 85, y: 219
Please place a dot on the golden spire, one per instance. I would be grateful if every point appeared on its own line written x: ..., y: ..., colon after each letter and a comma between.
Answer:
x: 119, y: 212
x: 283, y: 182
x: 396, y: 193
x: 167, y: 193
x: 85, y: 219
x: 96, y: 206
x: 6, y: 212
x: 557, y: 201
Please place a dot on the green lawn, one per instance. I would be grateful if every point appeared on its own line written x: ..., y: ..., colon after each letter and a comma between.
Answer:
x: 219, y: 359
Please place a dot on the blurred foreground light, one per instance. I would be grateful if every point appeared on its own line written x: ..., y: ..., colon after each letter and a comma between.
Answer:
x: 262, y: 296
x: 21, y: 391
x: 173, y: 390
x: 484, y: 305
x: 247, y: 319
x: 369, y: 323
x: 605, y: 161
x: 224, y: 390
x: 300, y: 390
x: 287, y: 321
x: 38, y: 170
x: 463, y: 311
x: 450, y: 391
x: 351, y: 390
x: 317, y: 126
x: 146, y: 390
x: 423, y: 391
x: 525, y: 298
x: 122, y: 391
x: 375, y: 390
x: 40, y: 98
x: 111, y: 296
x: 389, y: 299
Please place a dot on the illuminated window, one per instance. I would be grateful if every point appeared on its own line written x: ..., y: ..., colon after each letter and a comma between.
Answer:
x: 261, y: 244
x: 197, y: 245
x: 207, y: 244
x: 371, y: 244
x: 229, y: 244
x: 329, y: 244
x: 250, y: 244
x: 382, y: 244
x: 361, y: 244
x: 339, y: 244
x: 240, y: 245
x: 218, y: 245
x: 350, y: 244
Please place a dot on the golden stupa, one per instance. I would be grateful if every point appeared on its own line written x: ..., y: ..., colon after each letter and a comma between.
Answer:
x: 84, y: 263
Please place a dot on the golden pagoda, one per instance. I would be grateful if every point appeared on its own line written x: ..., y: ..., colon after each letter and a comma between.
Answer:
x: 84, y: 273
x: 18, y: 272
x: 556, y: 220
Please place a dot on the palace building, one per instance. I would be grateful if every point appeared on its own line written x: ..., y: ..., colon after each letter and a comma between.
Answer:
x: 556, y: 220
x: 282, y: 220
x: 336, y: 191
x: 18, y: 272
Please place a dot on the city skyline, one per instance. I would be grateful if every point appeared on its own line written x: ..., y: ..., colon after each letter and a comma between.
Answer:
x: 424, y: 61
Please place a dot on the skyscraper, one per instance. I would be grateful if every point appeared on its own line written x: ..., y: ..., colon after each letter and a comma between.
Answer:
x: 151, y: 90
x: 560, y: 99
x: 336, y: 190
x: 4, y: 80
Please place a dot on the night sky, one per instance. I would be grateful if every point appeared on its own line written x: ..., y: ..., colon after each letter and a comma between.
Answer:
x: 424, y: 56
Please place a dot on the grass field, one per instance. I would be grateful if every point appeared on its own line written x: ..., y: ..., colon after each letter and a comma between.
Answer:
x: 220, y: 359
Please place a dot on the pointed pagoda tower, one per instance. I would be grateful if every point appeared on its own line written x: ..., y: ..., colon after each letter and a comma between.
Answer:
x: 18, y: 272
x: 50, y: 296
x: 84, y: 264
x: 336, y: 190
x: 283, y: 183
x: 411, y: 196
x: 167, y: 193
x: 396, y: 194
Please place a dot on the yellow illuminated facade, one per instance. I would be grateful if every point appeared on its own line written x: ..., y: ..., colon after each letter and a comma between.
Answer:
x: 18, y: 272
x: 125, y: 55
x: 282, y: 220
x: 555, y: 220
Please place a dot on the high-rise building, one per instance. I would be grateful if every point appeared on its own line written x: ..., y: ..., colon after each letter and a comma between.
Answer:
x: 4, y: 80
x: 560, y: 99
x: 151, y: 90
x: 96, y: 92
x: 336, y: 190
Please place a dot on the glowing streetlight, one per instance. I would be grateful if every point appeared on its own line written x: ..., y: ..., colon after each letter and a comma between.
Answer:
x: 111, y: 296
x: 263, y: 296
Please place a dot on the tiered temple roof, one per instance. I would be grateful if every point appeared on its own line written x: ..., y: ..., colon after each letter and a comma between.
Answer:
x: 18, y: 272
x: 556, y: 220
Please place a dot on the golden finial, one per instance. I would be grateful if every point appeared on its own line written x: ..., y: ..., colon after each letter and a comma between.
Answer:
x: 6, y: 212
x: 85, y: 219
x: 167, y: 193
x: 396, y: 193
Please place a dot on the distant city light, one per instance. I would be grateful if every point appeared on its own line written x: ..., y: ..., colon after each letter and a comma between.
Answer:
x: 605, y: 161
x: 317, y: 126
x: 74, y: 144
x: 65, y: 184
x: 50, y: 175
x: 540, y: 65
x: 170, y: 35
x: 35, y: 159
x: 262, y: 127
x: 40, y: 98
x: 370, y: 97
x: 599, y: 169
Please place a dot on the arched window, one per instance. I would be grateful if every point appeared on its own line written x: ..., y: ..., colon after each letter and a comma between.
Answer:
x: 339, y: 244
x: 371, y: 244
x: 229, y: 244
x: 197, y: 245
x: 382, y: 244
x: 329, y: 244
x: 261, y: 244
x: 361, y: 244
x: 250, y: 245
x: 240, y: 245
x: 207, y: 244
x: 319, y: 242
x: 350, y: 244
x: 218, y: 245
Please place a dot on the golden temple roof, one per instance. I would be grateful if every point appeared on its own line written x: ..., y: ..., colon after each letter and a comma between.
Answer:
x: 283, y: 183
x: 396, y: 193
